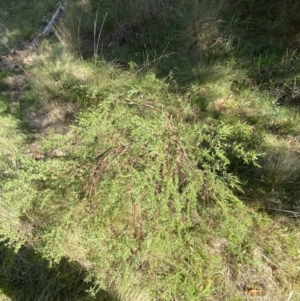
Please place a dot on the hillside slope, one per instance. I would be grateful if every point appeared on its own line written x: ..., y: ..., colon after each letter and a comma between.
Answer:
x: 149, y: 151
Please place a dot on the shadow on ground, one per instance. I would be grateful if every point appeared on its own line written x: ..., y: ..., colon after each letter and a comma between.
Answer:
x: 25, y: 275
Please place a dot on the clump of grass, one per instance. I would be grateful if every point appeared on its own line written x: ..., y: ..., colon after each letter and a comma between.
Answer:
x: 280, y: 171
x: 201, y: 27
x: 200, y: 35
x: 10, y: 139
x: 69, y: 29
x: 201, y: 72
x: 65, y: 79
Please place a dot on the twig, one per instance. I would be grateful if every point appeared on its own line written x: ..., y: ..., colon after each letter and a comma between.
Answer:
x: 99, y: 36
x: 290, y: 296
x: 157, y: 59
x: 286, y: 211
x: 130, y: 102
x: 121, y: 153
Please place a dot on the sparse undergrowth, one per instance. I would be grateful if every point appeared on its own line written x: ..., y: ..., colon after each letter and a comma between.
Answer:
x: 155, y: 157
x: 21, y: 21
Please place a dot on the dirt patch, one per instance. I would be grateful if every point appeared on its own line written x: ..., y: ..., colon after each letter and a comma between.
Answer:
x: 55, y: 117
x: 39, y: 117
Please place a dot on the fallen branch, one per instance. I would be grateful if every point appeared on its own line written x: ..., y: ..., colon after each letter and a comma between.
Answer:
x: 35, y: 42
x: 49, y: 26
x: 295, y: 213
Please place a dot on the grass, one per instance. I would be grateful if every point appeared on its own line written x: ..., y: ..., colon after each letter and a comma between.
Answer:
x: 158, y: 163
x: 20, y: 22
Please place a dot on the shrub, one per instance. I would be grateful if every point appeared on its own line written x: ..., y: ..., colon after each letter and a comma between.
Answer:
x: 130, y: 184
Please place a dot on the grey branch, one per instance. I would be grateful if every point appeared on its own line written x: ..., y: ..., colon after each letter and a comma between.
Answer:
x: 49, y: 26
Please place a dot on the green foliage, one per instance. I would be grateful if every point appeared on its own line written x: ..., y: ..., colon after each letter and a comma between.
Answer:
x: 143, y: 191
x: 134, y: 187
